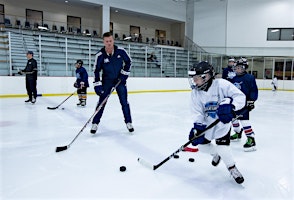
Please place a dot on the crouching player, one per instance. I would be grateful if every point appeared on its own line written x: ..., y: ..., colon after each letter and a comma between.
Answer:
x: 213, y: 99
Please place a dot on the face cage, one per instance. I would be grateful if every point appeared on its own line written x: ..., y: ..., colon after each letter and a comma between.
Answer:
x: 200, y: 87
x: 243, y: 69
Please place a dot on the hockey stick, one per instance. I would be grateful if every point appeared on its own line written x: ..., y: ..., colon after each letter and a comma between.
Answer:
x: 62, y: 148
x: 154, y: 167
x: 53, y: 108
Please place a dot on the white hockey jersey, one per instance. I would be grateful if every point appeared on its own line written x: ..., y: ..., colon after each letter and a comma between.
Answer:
x: 204, y: 105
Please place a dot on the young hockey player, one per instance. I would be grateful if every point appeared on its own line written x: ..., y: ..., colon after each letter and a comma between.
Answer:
x: 228, y: 72
x: 247, y: 84
x: 213, y: 99
x: 81, y: 83
x: 274, y: 84
x: 115, y: 64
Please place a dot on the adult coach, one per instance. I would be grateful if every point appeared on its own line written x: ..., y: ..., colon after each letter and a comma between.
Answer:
x: 31, y: 71
x: 115, y: 64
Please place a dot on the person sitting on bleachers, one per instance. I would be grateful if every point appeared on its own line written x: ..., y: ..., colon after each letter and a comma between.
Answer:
x: 153, y: 58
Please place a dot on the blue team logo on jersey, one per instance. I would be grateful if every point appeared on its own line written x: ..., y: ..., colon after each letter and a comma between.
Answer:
x: 231, y: 75
x: 106, y: 60
x: 238, y: 85
x: 78, y: 76
x: 210, y: 109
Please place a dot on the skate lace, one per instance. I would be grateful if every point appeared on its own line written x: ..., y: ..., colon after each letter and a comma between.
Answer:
x: 249, y: 141
x: 215, y: 158
x: 235, y: 172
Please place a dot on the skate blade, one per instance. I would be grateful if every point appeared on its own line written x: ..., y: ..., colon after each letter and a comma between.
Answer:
x: 250, y: 149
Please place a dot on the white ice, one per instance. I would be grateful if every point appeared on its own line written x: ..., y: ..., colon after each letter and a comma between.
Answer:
x: 89, y: 169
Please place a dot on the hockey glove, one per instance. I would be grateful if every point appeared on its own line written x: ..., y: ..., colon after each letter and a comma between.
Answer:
x: 196, y: 131
x: 98, y: 88
x: 123, y: 76
x: 225, y: 110
x: 75, y: 85
x: 250, y: 105
x: 82, y: 84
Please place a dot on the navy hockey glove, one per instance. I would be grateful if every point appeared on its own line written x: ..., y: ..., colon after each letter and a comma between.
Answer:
x: 75, y: 85
x: 195, y: 131
x: 124, y: 75
x: 98, y: 88
x: 250, y: 105
x: 225, y: 110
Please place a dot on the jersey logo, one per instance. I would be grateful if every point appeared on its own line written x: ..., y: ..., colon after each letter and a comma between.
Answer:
x: 210, y: 109
x: 238, y: 85
x: 78, y: 76
x: 118, y: 56
x: 106, y: 60
x: 231, y: 75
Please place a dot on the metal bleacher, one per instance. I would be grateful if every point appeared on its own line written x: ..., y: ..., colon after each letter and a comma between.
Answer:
x: 56, y: 54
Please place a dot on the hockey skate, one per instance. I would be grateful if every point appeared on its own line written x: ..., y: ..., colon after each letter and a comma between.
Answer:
x: 33, y: 100
x: 215, y: 160
x: 27, y: 101
x: 250, y: 144
x: 94, y: 128
x: 130, y: 127
x: 236, y: 174
x: 78, y: 104
x: 83, y: 103
x: 237, y: 136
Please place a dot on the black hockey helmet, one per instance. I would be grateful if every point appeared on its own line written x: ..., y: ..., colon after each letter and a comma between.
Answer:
x: 203, y: 70
x: 242, y: 62
x: 80, y: 62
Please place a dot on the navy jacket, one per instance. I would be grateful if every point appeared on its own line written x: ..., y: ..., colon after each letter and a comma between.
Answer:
x: 111, y: 65
x: 82, y: 76
x: 247, y: 84
x: 31, y: 69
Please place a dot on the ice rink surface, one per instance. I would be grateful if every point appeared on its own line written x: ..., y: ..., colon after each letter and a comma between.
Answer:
x: 89, y: 169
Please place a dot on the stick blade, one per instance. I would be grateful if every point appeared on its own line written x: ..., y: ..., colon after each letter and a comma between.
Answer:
x: 50, y: 108
x: 188, y: 149
x: 58, y: 149
x: 146, y: 164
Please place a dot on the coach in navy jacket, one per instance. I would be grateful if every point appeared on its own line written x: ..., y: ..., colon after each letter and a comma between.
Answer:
x: 115, y: 65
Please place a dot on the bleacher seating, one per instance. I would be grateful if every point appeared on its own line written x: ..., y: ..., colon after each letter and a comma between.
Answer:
x: 59, y: 52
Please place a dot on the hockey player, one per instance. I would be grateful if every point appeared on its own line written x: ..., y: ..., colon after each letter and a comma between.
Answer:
x: 247, y: 84
x: 115, y: 64
x: 274, y: 84
x: 228, y: 72
x: 81, y: 83
x: 213, y: 99
x: 31, y: 71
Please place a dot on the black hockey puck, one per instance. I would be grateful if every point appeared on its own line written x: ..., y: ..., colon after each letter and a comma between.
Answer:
x: 176, y: 156
x: 62, y: 108
x: 122, y: 168
x: 191, y: 159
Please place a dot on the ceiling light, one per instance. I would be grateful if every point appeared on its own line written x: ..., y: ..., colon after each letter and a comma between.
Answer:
x: 275, y: 30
